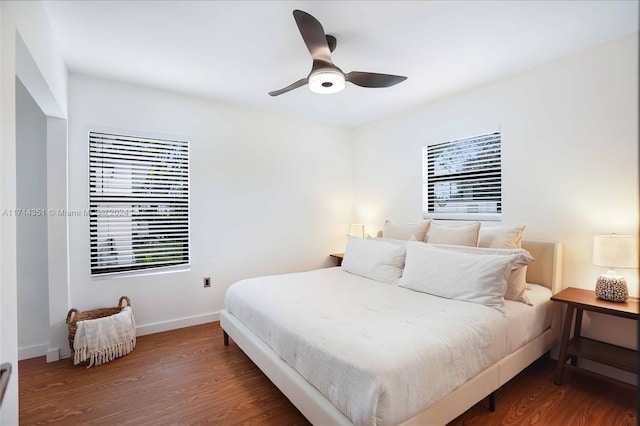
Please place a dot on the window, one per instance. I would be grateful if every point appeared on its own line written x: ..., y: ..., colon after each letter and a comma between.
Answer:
x: 138, y: 203
x: 462, y: 179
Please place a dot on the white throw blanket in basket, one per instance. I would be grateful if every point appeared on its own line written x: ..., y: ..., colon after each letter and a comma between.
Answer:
x: 105, y: 339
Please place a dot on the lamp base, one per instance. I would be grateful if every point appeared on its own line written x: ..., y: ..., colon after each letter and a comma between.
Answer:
x: 613, y: 289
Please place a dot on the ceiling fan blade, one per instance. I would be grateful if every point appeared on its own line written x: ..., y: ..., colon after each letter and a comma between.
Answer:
x: 371, y: 79
x: 292, y: 86
x: 313, y: 35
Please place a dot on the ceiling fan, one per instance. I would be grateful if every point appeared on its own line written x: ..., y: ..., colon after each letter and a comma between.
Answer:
x: 325, y: 77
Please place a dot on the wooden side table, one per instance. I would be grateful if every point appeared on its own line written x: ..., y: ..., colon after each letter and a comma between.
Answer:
x: 580, y: 300
x: 338, y: 257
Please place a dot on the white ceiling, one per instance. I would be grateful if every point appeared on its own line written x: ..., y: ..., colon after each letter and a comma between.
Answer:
x: 236, y: 51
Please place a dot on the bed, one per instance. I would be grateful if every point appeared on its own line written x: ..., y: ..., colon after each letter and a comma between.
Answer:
x: 309, y: 333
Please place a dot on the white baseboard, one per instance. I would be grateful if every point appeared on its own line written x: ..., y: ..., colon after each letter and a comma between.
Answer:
x: 32, y: 351
x: 175, y: 324
x: 53, y: 354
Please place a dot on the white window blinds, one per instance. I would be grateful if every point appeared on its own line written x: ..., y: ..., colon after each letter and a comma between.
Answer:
x: 139, y: 203
x: 462, y: 179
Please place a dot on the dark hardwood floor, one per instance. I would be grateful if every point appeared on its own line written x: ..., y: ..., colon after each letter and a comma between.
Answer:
x: 188, y: 377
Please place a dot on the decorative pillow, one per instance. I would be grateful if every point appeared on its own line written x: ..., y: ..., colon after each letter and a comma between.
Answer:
x: 463, y: 235
x: 404, y: 231
x: 374, y: 258
x: 506, y: 237
x: 456, y: 275
x: 517, y: 280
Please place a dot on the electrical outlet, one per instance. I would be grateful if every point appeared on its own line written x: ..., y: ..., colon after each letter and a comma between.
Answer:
x: 207, y: 282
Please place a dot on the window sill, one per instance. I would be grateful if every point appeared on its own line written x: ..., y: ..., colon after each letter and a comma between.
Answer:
x: 485, y: 217
x: 141, y: 273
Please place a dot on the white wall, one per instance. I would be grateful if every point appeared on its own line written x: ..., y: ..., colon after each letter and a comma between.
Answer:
x: 570, y: 158
x: 31, y: 233
x: 29, y: 51
x: 57, y: 237
x: 269, y: 194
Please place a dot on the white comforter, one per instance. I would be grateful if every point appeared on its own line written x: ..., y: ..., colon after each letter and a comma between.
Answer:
x: 380, y: 353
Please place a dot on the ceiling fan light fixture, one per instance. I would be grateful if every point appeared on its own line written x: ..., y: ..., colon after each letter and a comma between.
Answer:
x: 326, y: 82
x: 326, y: 78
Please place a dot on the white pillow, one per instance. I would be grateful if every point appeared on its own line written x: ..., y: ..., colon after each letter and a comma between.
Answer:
x: 404, y: 231
x: 374, y: 258
x: 456, y: 275
x: 395, y: 241
x: 517, y: 280
x: 507, y: 237
x: 463, y: 235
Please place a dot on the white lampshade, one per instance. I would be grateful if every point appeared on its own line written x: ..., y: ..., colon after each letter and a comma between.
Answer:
x: 615, y: 251
x: 326, y: 82
x: 357, y: 230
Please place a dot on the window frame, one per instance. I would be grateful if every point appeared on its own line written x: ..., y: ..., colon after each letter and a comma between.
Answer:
x: 486, y: 168
x: 183, y: 252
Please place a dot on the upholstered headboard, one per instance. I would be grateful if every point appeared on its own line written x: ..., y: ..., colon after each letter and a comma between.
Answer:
x: 547, y: 269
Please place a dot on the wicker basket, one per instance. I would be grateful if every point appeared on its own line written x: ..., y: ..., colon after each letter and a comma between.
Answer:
x: 75, y: 315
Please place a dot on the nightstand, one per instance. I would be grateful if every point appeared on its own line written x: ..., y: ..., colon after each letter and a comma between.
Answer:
x: 580, y: 300
x: 338, y: 257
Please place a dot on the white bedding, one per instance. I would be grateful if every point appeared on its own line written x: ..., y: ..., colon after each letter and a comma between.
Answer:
x: 418, y: 347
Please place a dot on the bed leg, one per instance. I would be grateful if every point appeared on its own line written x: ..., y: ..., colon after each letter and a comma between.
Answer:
x: 226, y: 338
x: 492, y: 401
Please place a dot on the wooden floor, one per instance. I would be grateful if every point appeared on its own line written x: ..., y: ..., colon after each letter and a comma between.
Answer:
x: 187, y: 377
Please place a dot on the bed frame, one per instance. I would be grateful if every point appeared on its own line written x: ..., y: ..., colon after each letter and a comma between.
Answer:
x: 546, y: 270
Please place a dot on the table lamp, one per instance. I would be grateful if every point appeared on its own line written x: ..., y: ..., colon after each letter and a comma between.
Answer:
x: 614, y: 251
